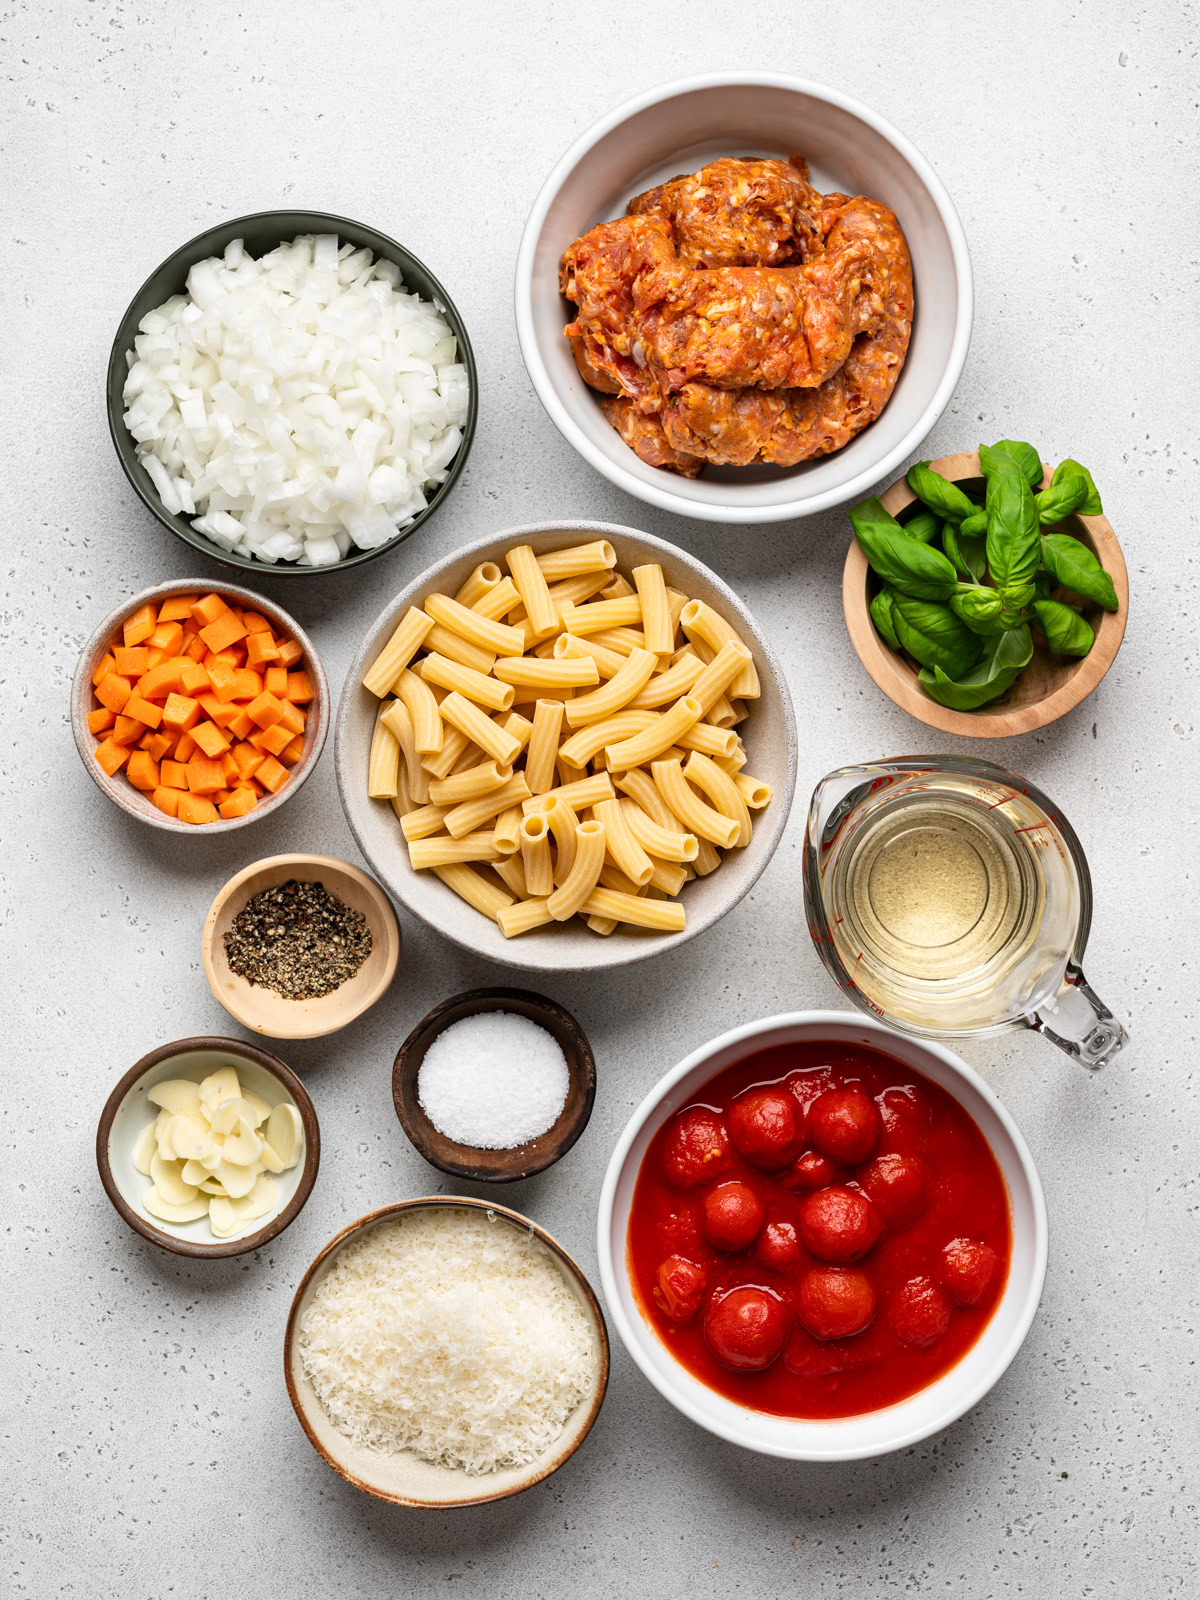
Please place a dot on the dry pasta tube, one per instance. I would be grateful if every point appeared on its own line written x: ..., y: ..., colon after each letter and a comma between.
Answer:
x: 584, y: 874
x: 475, y: 890
x: 467, y: 717
x: 397, y: 652
x: 675, y: 604
x: 577, y: 558
x: 668, y: 844
x: 398, y: 722
x: 720, y: 672
x: 423, y: 709
x: 543, y: 745
x: 602, y: 925
x: 469, y: 785
x: 753, y: 791
x: 600, y: 614
x: 478, y: 686
x: 564, y: 825
x: 518, y: 919
x: 575, y: 591
x: 613, y: 878
x: 570, y: 646
x: 734, y: 763
x: 449, y: 644
x: 474, y: 626
x: 622, y: 640
x: 512, y: 874
x: 624, y: 849
x: 643, y: 747
x: 711, y: 741
x: 531, y: 585
x: 482, y: 581
x: 528, y: 694
x: 498, y: 602
x: 423, y: 822
x: 664, y: 915
x: 656, y: 611
x: 721, y: 790
x: 613, y: 696
x: 443, y: 852
x: 541, y: 672
x: 505, y: 834
x: 518, y: 726
x: 669, y: 685
x: 619, y: 588
x: 700, y: 621
x: 579, y: 794
x: 668, y: 877
x: 722, y: 714
x: 696, y: 816
x: 383, y: 764
x: 708, y: 859
x: 472, y: 814
x: 583, y: 745
x: 454, y: 744
x: 535, y: 854
x: 639, y: 786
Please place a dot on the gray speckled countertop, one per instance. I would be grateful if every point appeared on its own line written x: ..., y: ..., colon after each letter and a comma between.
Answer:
x: 150, y: 1446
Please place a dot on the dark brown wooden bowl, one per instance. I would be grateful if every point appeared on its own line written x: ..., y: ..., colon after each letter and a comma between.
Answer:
x: 496, y: 1166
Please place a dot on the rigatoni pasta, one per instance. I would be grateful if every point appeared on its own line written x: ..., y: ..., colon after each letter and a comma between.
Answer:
x: 617, y: 781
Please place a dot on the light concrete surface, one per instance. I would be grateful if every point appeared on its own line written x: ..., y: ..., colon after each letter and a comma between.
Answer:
x: 149, y: 1445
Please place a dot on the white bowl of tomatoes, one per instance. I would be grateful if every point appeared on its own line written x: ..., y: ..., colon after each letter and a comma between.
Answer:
x: 822, y: 1240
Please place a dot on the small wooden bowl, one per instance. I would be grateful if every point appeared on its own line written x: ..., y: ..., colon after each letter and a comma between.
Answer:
x: 118, y: 788
x: 403, y: 1478
x: 496, y: 1166
x: 262, y: 1010
x: 127, y: 1111
x: 1049, y: 687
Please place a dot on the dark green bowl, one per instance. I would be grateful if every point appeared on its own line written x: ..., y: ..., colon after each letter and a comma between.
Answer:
x: 262, y: 232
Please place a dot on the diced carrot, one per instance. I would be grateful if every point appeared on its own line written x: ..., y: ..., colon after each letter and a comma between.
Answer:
x: 193, y: 678
x: 196, y: 809
x: 161, y: 679
x: 204, y: 775
x: 126, y: 730
x: 144, y: 710
x: 180, y: 712
x: 241, y: 725
x: 220, y: 794
x: 229, y: 657
x: 289, y: 652
x: 172, y: 774
x: 271, y: 775
x: 275, y: 681
x: 291, y: 753
x: 223, y: 679
x: 112, y: 757
x: 167, y: 800
x: 260, y: 649
x: 239, y: 803
x: 229, y: 767
x: 155, y: 655
x: 101, y: 720
x: 226, y: 630
x: 195, y: 648
x: 249, y: 684
x: 216, y: 711
x: 255, y: 623
x: 247, y: 759
x: 161, y: 744
x: 185, y: 747
x: 293, y: 716
x: 141, y: 771
x: 265, y: 710
x: 273, y: 739
x: 140, y: 625
x: 299, y: 688
x: 145, y: 741
x: 104, y: 666
x: 177, y: 609
x: 130, y: 662
x: 113, y: 690
x: 210, y: 739
x: 167, y: 636
x: 254, y: 786
x: 207, y: 610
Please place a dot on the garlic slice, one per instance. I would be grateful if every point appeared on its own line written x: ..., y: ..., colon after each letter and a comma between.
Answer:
x: 158, y: 1207
x: 180, y: 1096
x: 268, y: 1159
x: 222, y: 1218
x: 146, y: 1146
x: 285, y: 1133
x: 243, y: 1147
x: 170, y: 1183
x: 162, y: 1125
x: 259, y: 1109
x: 237, y: 1181
x: 259, y: 1201
x: 220, y: 1085
x: 211, y: 1186
x: 225, y: 1117
x: 190, y: 1141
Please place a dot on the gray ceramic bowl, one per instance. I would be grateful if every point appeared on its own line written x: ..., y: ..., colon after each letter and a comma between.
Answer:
x: 118, y: 788
x: 262, y: 232
x: 770, y: 735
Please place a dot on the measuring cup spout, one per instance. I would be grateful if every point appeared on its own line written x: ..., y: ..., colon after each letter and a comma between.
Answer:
x: 1079, y: 1022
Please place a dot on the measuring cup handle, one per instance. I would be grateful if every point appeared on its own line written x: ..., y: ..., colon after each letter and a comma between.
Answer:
x: 1079, y: 1022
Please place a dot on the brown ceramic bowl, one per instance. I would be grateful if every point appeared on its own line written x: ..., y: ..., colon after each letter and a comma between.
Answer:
x: 496, y: 1166
x: 404, y: 1478
x: 127, y: 1111
x: 262, y: 1010
x: 118, y: 788
x: 1049, y: 687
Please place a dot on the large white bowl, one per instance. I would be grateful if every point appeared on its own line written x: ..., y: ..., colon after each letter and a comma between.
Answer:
x: 873, y: 1433
x: 769, y: 732
x: 677, y: 128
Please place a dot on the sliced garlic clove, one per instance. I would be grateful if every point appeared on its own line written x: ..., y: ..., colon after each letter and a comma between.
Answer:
x: 166, y: 1212
x: 261, y: 1199
x: 220, y: 1085
x: 285, y: 1134
x: 180, y: 1096
x: 145, y: 1146
x: 243, y: 1147
x: 236, y: 1180
x: 229, y: 1113
x: 269, y: 1160
x: 258, y: 1106
x: 190, y: 1140
x: 222, y: 1218
x: 194, y: 1173
x: 211, y: 1159
x: 163, y: 1130
x: 169, y: 1181
x: 211, y: 1186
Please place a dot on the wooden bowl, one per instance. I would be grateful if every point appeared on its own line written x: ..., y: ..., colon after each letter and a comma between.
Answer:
x: 496, y: 1166
x: 127, y: 1111
x: 1049, y: 687
x: 404, y: 1478
x: 262, y: 1010
x: 118, y: 788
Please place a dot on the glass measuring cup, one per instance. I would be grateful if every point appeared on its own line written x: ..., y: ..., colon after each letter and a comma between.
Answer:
x: 950, y: 896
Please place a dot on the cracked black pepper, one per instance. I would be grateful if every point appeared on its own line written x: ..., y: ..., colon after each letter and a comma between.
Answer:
x: 297, y: 939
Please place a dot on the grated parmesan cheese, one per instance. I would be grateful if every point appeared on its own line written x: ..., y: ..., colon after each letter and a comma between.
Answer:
x: 450, y: 1333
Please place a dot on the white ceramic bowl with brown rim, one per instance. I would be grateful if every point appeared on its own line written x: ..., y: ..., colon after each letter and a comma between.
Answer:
x: 404, y: 1478
x: 264, y: 1011
x: 769, y: 733
x: 118, y: 788
x: 1050, y: 685
x: 127, y: 1112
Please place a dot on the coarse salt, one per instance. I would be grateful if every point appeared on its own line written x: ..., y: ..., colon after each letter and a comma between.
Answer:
x: 493, y: 1081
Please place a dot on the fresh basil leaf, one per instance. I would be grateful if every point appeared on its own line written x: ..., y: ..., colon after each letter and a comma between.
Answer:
x: 1013, y: 551
x: 934, y: 636
x: 982, y: 610
x: 881, y: 615
x: 905, y: 564
x: 968, y: 552
x: 1091, y: 507
x: 925, y: 527
x: 1016, y: 450
x: 1069, y: 489
x: 1072, y: 564
x: 939, y: 494
x: 872, y: 509
x: 1016, y: 597
x: 1043, y: 586
x: 1067, y: 633
x: 975, y: 523
x: 1005, y: 658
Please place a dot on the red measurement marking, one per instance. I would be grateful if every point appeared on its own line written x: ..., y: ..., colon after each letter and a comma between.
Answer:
x: 853, y: 970
x: 1006, y: 797
x: 1035, y: 826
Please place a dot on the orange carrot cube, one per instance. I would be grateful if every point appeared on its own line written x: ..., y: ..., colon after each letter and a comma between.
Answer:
x: 161, y: 680
x: 177, y: 609
x: 131, y: 660
x: 229, y: 767
x: 167, y: 636
x: 193, y: 678
x: 144, y: 710
x: 289, y: 652
x: 172, y: 774
x: 207, y: 610
x: 271, y: 775
x: 241, y: 725
x: 101, y: 720
x: 210, y: 739
x: 216, y: 710
x: 255, y: 623
x: 186, y: 746
x: 299, y: 688
x: 248, y: 685
x: 226, y: 630
x: 104, y: 666
x: 126, y: 730
x: 142, y: 772
x: 222, y: 678
x: 260, y: 649
x: 180, y: 712
x: 265, y: 710
x: 204, y: 775
x: 138, y: 627
x: 291, y: 753
x: 195, y: 808
x: 166, y: 800
x: 195, y: 649
x: 273, y: 739
x: 293, y: 716
x: 275, y: 682
x: 113, y: 690
x: 247, y: 759
x: 238, y: 804
x: 160, y: 745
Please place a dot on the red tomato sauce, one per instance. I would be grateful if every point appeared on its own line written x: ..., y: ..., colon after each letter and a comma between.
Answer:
x: 926, y: 1303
